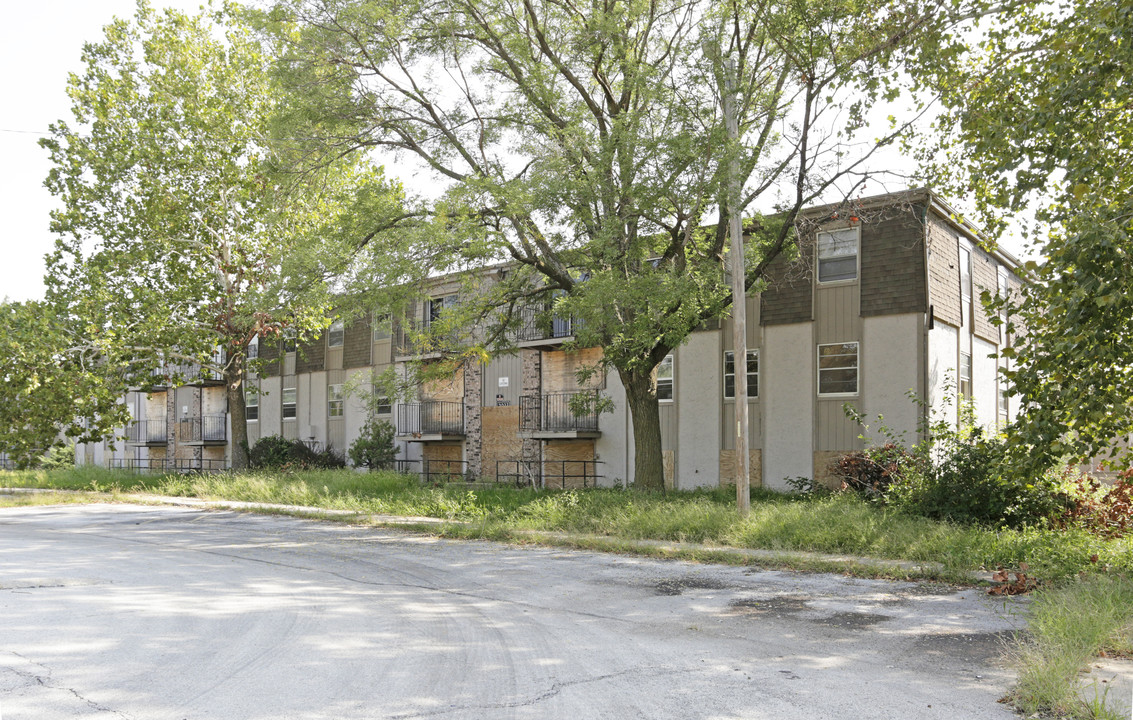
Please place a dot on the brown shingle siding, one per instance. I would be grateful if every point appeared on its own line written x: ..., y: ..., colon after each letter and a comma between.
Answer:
x: 892, y: 264
x: 984, y: 277
x: 356, y: 343
x: 788, y: 297
x: 943, y: 271
x: 269, y: 353
x: 311, y: 355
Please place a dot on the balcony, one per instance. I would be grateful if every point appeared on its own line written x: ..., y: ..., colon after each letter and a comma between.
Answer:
x: 430, y: 421
x: 204, y: 430
x: 552, y: 417
x: 539, y: 329
x: 412, y: 340
x: 188, y: 373
x: 150, y: 433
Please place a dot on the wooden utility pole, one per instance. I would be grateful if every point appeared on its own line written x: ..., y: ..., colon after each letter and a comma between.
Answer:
x: 739, y: 293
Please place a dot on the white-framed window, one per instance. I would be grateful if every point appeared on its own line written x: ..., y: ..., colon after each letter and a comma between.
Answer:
x: 838, y: 369
x: 1003, y: 415
x: 251, y: 405
x: 381, y: 327
x: 752, y: 374
x: 383, y: 406
x: 254, y: 348
x: 965, y: 286
x: 1003, y: 291
x: 289, y: 340
x: 437, y: 306
x: 665, y: 379
x: 838, y: 255
x: 336, y: 401
x: 336, y: 334
x: 289, y: 403
x: 965, y: 379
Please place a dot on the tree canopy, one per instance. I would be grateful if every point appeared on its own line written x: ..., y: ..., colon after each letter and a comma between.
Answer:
x: 585, y: 146
x: 183, y: 231
x: 53, y: 383
x: 1039, y: 114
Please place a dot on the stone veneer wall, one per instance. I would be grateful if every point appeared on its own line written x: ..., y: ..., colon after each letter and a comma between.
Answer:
x: 532, y: 373
x: 473, y: 417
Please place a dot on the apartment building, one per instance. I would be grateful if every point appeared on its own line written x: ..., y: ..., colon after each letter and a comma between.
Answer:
x: 881, y: 302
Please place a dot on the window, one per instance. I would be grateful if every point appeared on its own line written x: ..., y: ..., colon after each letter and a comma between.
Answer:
x: 289, y: 403
x: 335, y: 334
x: 335, y: 400
x: 438, y: 305
x: 965, y: 387
x: 752, y: 374
x: 288, y: 340
x: 838, y: 369
x: 965, y: 287
x: 382, y: 406
x: 1003, y: 418
x: 1003, y: 311
x: 381, y: 327
x: 665, y: 379
x: 251, y: 405
x: 838, y: 255
x: 254, y: 348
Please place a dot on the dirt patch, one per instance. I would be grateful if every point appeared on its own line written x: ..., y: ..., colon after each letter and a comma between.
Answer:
x: 851, y: 620
x: 676, y: 586
x: 974, y: 647
x: 779, y: 606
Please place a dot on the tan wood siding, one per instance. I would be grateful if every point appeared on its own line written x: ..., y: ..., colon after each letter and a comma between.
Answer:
x: 833, y: 430
x: 836, y: 316
x: 670, y: 425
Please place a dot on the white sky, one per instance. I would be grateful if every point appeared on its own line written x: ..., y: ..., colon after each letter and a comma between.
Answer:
x: 40, y: 43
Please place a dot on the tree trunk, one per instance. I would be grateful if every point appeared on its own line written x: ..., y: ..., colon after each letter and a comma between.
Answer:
x: 234, y: 374
x: 641, y: 395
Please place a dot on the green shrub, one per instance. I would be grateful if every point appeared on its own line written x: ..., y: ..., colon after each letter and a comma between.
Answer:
x: 276, y: 452
x: 58, y: 458
x: 967, y: 482
x: 374, y: 448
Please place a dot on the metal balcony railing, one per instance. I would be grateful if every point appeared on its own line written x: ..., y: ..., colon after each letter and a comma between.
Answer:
x: 554, y: 412
x: 432, y: 417
x: 147, y: 432
x: 549, y: 474
x: 536, y: 323
x: 205, y: 429
x: 413, y: 338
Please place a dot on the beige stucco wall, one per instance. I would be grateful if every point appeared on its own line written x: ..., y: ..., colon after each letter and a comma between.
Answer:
x: 787, y: 389
x: 698, y: 390
x: 891, y: 347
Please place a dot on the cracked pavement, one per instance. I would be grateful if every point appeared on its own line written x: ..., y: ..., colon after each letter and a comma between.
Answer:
x: 154, y: 613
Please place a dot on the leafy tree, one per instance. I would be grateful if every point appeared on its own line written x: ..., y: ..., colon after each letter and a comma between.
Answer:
x: 585, y: 145
x: 53, y: 384
x: 1040, y: 115
x: 181, y: 232
x: 374, y: 448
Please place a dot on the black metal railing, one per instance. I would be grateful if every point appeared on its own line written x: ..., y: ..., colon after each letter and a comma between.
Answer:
x: 205, y: 429
x: 147, y: 432
x: 559, y: 412
x: 432, y: 417
x: 445, y: 471
x: 405, y: 467
x: 561, y: 474
x: 537, y: 323
x: 414, y: 338
x: 5, y: 463
x: 182, y: 465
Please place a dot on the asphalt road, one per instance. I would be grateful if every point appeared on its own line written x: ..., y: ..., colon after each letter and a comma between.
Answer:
x: 154, y: 613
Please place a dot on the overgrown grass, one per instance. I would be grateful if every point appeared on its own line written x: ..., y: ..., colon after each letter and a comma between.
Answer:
x: 1070, y: 625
